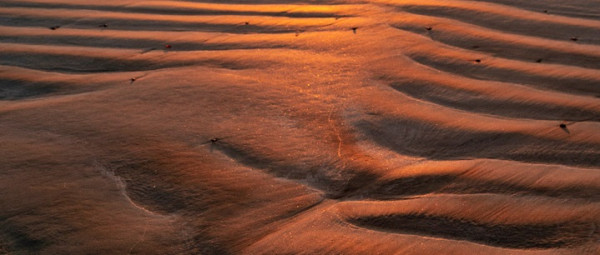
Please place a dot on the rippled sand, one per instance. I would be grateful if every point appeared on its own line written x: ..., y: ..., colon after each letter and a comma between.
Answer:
x: 300, y: 127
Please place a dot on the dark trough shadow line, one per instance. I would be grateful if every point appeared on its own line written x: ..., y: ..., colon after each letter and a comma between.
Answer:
x: 521, y: 236
x: 517, y: 52
x: 471, y: 101
x: 562, y: 10
x: 542, y: 28
x: 93, y: 64
x: 455, y: 184
x: 17, y: 90
x: 120, y: 24
x: 425, y: 140
x: 569, y: 85
x: 355, y: 179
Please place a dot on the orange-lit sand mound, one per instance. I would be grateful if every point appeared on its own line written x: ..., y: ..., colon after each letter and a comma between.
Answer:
x: 299, y: 127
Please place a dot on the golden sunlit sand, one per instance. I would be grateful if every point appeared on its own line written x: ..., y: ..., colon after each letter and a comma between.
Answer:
x: 300, y: 127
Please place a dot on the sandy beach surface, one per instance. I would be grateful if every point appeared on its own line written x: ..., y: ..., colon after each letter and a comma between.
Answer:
x: 300, y: 127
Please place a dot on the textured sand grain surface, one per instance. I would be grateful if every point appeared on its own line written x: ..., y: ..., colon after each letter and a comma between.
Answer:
x: 300, y: 127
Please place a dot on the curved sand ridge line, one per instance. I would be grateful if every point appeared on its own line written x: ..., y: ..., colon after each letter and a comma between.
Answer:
x: 142, y: 21
x: 299, y: 127
x: 508, y: 18
x: 198, y: 8
x: 561, y: 230
x: 491, y: 41
x: 577, y: 8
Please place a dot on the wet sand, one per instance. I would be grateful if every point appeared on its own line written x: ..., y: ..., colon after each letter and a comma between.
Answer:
x: 299, y: 127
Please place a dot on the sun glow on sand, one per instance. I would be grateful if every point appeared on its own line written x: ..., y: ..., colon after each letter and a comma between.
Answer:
x: 299, y: 127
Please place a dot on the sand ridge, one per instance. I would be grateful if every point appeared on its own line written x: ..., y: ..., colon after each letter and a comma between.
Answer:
x: 299, y: 127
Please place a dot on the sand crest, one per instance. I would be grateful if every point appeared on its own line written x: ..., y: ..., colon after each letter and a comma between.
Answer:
x: 299, y: 127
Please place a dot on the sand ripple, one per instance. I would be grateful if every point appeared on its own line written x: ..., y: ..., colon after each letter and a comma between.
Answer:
x: 299, y: 127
